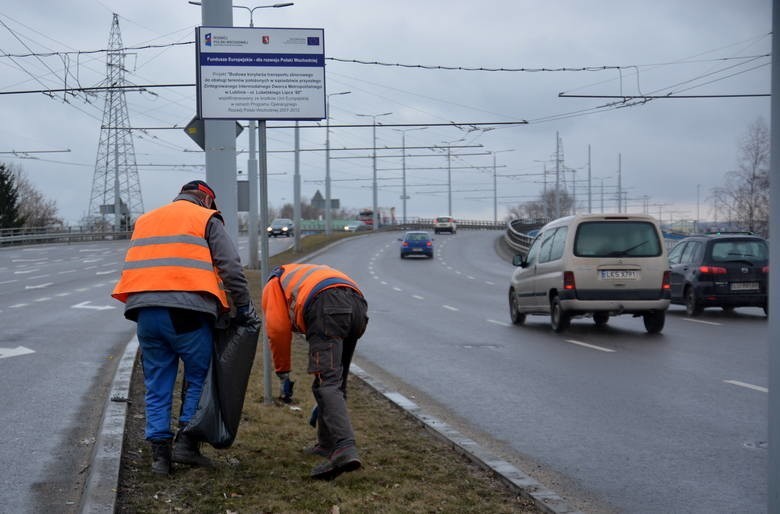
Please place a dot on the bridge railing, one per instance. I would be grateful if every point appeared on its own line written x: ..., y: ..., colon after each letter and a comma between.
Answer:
x: 38, y: 235
x: 517, y: 230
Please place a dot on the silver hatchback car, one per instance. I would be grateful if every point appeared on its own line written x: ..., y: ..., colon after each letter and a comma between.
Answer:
x: 594, y: 265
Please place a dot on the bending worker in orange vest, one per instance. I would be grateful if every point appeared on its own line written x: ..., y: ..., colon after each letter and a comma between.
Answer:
x: 178, y: 271
x: 327, y: 306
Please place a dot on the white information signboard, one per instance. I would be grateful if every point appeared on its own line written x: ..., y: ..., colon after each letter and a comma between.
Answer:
x: 260, y: 73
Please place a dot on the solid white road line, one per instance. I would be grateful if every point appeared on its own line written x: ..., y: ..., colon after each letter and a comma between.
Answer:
x: 703, y: 322
x: 591, y: 346
x: 746, y: 385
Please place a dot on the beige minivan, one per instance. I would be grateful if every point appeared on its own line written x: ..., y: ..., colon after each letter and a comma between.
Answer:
x: 596, y: 265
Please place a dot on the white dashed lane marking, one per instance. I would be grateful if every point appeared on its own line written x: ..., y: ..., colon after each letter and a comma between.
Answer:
x: 591, y: 346
x: 747, y: 386
x: 496, y: 322
x: 703, y: 322
x: 450, y: 307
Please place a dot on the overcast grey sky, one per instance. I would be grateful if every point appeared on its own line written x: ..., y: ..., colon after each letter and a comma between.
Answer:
x: 668, y: 146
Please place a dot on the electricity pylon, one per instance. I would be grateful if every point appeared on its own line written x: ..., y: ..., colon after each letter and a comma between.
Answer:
x: 116, y: 189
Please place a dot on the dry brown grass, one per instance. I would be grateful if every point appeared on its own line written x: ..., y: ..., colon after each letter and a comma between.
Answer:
x: 405, y: 468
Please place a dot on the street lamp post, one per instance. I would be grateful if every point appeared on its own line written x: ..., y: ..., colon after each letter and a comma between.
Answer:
x: 404, y: 196
x: 449, y: 173
x: 375, y: 216
x: 495, y: 185
x: 328, y: 211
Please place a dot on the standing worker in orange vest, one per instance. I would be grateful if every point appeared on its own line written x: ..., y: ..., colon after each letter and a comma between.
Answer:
x: 178, y: 272
x: 327, y: 306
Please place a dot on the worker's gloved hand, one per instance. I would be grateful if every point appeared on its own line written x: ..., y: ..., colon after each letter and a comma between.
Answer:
x: 285, y: 387
x: 247, y: 315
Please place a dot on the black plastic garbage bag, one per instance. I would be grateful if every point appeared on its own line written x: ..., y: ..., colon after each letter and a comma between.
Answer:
x: 222, y: 399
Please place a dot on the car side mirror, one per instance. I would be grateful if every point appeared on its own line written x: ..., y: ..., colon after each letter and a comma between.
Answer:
x: 518, y: 260
x: 400, y: 239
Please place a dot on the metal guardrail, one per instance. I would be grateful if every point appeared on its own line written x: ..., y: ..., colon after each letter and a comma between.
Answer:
x: 10, y: 237
x: 517, y: 234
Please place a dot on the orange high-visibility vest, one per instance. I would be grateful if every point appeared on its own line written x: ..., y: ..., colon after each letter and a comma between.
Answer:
x: 284, y: 301
x: 169, y: 252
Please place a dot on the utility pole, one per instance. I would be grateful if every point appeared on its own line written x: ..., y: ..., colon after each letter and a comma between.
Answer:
x: 328, y: 206
x: 590, y: 205
x: 375, y: 216
x: 544, y: 194
x: 698, y: 211
x: 404, y: 196
x: 620, y: 184
x: 495, y: 192
x: 557, y: 175
x: 774, y: 264
x: 449, y: 180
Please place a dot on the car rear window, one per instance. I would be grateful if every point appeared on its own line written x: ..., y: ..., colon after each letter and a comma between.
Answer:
x: 443, y: 220
x: 739, y: 250
x: 617, y: 239
x: 417, y: 237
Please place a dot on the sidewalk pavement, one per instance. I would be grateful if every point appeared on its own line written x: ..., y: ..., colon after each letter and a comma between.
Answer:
x: 102, y: 484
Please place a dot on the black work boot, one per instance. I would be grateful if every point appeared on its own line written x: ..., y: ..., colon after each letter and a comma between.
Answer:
x: 186, y: 450
x: 161, y: 457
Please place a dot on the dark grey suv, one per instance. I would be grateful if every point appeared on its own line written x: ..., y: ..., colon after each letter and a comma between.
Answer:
x: 724, y: 270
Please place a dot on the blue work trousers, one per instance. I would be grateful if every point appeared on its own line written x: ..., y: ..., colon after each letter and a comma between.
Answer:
x: 165, y: 336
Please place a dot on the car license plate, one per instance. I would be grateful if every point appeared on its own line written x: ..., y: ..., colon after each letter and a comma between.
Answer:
x: 618, y: 274
x: 417, y: 249
x: 744, y: 286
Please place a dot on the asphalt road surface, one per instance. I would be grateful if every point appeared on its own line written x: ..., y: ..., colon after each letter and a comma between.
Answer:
x: 619, y: 420
x: 611, y: 419
x: 61, y: 335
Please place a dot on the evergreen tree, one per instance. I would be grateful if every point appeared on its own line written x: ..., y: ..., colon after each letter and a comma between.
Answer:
x: 9, y: 200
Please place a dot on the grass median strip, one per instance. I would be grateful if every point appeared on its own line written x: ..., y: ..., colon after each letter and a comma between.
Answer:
x: 406, y: 469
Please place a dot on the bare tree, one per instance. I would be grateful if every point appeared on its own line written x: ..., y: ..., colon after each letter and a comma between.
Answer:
x: 37, y: 210
x: 544, y: 206
x: 745, y: 193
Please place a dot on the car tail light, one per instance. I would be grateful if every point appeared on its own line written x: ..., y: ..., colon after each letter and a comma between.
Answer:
x: 765, y: 269
x: 405, y: 244
x: 666, y: 283
x: 568, y: 280
x: 712, y: 270
x: 428, y: 244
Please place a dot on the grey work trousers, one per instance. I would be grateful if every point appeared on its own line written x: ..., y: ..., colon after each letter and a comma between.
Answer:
x: 335, y: 320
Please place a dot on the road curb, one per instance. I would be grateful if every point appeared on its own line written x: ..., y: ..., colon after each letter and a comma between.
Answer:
x: 102, y: 483
x: 545, y: 499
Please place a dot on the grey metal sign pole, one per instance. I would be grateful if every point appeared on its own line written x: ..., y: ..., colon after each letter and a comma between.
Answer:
x: 220, y: 136
x: 774, y: 276
x: 297, y: 189
x: 263, y: 151
x: 252, y: 218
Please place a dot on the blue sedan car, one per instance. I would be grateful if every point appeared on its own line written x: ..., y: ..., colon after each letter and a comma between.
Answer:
x: 416, y: 242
